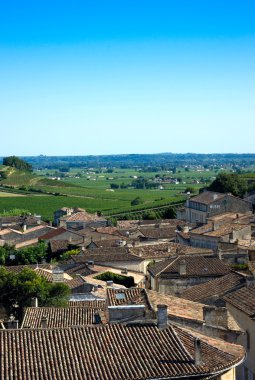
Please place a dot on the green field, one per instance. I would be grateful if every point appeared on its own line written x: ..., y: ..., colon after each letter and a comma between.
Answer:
x: 91, y: 190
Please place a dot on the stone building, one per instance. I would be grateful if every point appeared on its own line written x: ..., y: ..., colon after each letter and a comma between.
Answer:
x: 207, y: 204
x: 175, y: 275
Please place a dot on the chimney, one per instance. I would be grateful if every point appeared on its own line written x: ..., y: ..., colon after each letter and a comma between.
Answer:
x: 162, y: 317
x: 182, y: 268
x: 24, y: 227
x: 185, y: 229
x: 215, y: 316
x: 90, y: 264
x: 58, y: 275
x: 44, y: 322
x: 97, y: 318
x: 13, y: 323
x: 250, y: 280
x: 198, y: 354
x: 34, y: 302
x: 109, y: 284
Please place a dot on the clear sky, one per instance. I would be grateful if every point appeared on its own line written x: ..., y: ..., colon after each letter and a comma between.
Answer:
x: 127, y: 76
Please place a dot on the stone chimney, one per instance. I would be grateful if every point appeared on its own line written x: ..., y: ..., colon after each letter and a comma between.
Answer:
x: 197, y: 352
x: 44, y: 322
x: 182, y: 267
x: 162, y: 316
x: 12, y: 323
x: 90, y: 264
x: 215, y: 316
x: 34, y: 302
x: 185, y: 229
x: 58, y: 275
x: 109, y: 284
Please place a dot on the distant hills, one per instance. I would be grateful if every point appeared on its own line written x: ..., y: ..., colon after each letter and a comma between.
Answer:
x: 131, y: 160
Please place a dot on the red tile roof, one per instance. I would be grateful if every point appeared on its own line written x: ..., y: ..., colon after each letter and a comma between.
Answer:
x: 243, y: 299
x: 59, y: 316
x: 217, y: 287
x: 109, y: 352
x: 195, y: 266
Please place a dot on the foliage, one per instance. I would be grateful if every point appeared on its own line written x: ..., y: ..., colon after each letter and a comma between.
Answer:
x: 29, y: 255
x: 229, y: 183
x: 20, y: 288
x: 149, y: 215
x: 239, y: 266
x: 114, y: 186
x: 66, y: 255
x: 127, y: 281
x: 190, y: 190
x: 17, y: 163
x: 136, y: 201
x: 15, y: 212
x: 169, y: 213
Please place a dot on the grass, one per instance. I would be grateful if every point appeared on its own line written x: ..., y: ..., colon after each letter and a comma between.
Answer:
x: 93, y: 195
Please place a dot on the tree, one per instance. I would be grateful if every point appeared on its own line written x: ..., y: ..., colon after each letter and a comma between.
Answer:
x: 28, y: 255
x: 169, y: 213
x: 136, y: 201
x: 229, y: 183
x: 17, y: 163
x: 149, y: 215
x: 114, y: 186
x: 20, y: 288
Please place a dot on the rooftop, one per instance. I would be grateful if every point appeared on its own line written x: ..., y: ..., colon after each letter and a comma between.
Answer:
x: 207, y: 197
x: 217, y: 287
x: 104, y: 352
x: 59, y: 316
x: 195, y: 266
x: 243, y: 299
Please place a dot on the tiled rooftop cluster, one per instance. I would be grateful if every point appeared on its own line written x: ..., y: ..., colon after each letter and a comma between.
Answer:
x: 108, y: 352
x: 217, y: 287
x: 243, y: 299
x: 59, y: 316
x: 195, y: 266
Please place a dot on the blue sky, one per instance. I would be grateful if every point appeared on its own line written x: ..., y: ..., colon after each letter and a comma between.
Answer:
x: 108, y: 77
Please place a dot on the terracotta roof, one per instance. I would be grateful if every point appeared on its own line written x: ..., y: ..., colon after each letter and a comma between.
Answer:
x: 207, y: 197
x: 100, y: 255
x: 220, y: 231
x: 19, y: 268
x: 158, y: 233
x: 166, y: 250
x: 176, y: 306
x: 59, y: 245
x: 108, y: 230
x: 243, y: 299
x: 82, y: 216
x: 109, y: 352
x: 131, y: 296
x: 81, y: 269
x: 55, y: 232
x: 195, y: 266
x: 217, y: 287
x: 59, y: 316
x: 93, y: 304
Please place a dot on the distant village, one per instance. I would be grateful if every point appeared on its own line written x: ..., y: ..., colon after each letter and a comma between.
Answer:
x: 148, y: 299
